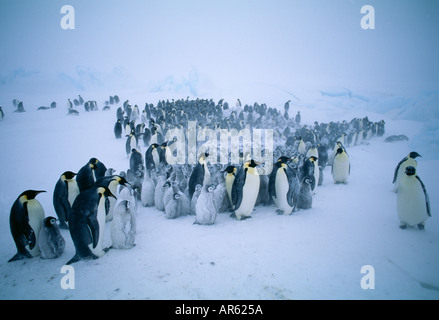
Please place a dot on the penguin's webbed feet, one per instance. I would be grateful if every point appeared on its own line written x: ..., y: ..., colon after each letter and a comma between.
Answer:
x: 403, y: 226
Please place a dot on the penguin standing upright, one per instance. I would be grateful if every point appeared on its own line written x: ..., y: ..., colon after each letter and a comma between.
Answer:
x: 283, y: 188
x: 413, y: 203
x: 25, y: 221
x: 304, y: 199
x: 87, y: 175
x: 200, y: 174
x: 173, y: 207
x: 153, y: 155
x: 111, y: 182
x: 123, y: 225
x: 118, y: 129
x: 245, y: 190
x: 341, y: 167
x: 51, y: 241
x: 410, y: 160
x: 65, y: 193
x: 87, y: 223
x: 147, y: 194
x: 194, y: 199
x: 230, y: 178
x: 131, y: 143
x: 205, y: 210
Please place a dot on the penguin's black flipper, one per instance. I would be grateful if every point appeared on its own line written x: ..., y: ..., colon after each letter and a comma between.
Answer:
x: 427, y: 198
x: 237, y: 188
x: 93, y: 224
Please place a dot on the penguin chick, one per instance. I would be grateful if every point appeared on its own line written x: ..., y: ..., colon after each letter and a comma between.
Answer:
x: 123, y: 225
x: 205, y: 209
x: 51, y: 241
x: 304, y: 200
x: 173, y: 207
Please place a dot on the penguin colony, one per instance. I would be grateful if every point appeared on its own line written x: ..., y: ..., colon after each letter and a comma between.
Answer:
x: 93, y: 196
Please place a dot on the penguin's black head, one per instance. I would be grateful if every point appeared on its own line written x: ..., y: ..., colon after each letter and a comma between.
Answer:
x: 410, y: 171
x: 253, y: 164
x: 229, y: 169
x: 50, y: 221
x: 339, y: 150
x: 106, y: 192
x: 414, y: 155
x: 283, y: 159
x: 211, y: 188
x: 31, y: 194
x: 93, y: 161
x: 69, y: 174
x: 167, y: 184
x: 176, y: 196
x: 124, y: 181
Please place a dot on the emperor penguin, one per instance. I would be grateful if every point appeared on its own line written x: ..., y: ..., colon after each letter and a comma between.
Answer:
x: 304, y: 199
x: 131, y: 143
x: 205, y: 210
x: 200, y: 174
x: 173, y: 207
x: 311, y: 170
x: 147, y: 193
x: 159, y: 192
x: 123, y: 226
x: 301, y: 146
x: 230, y: 172
x: 410, y: 160
x: 312, y: 154
x: 153, y: 155
x: 413, y: 202
x: 87, y: 223
x: 341, y: 167
x: 88, y: 174
x: 245, y: 190
x: 111, y: 182
x: 51, y: 241
x: 283, y: 188
x: 25, y: 221
x: 65, y: 193
x: 118, y: 129
x: 221, y: 198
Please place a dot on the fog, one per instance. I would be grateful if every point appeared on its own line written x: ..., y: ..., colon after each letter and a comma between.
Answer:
x: 135, y: 44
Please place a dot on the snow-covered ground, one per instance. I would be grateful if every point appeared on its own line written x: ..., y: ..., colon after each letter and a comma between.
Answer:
x: 314, y: 254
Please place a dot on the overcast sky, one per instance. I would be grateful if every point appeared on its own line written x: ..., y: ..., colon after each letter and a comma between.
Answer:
x: 282, y: 42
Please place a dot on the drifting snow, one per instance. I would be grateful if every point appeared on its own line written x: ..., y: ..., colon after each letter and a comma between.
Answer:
x: 314, y: 254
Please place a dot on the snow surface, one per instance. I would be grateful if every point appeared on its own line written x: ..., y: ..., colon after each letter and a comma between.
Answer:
x: 315, y: 254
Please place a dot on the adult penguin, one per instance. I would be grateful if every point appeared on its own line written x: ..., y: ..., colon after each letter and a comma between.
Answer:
x: 111, y: 182
x: 245, y: 190
x: 409, y: 161
x: 153, y: 155
x: 131, y: 143
x: 89, y: 173
x: 283, y: 188
x: 230, y: 178
x: 200, y: 174
x: 341, y: 167
x: 25, y: 221
x: 65, y: 193
x: 87, y: 223
x: 118, y: 129
x: 413, y: 203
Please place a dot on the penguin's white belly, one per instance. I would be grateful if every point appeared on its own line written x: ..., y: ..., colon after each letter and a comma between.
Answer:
x: 36, y: 217
x: 98, y: 250
x: 249, y: 195
x: 229, y: 184
x: 73, y: 191
x: 113, y: 188
x: 411, y: 203
x: 133, y: 143
x: 282, y: 188
x: 156, y: 158
x: 340, y: 169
